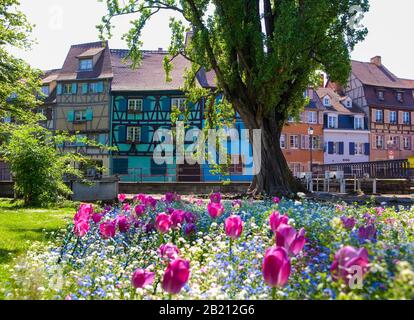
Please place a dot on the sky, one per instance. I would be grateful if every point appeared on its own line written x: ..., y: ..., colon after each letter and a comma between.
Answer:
x: 61, y: 23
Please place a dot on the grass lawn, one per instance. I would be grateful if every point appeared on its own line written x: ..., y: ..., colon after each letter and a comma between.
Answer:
x: 19, y: 227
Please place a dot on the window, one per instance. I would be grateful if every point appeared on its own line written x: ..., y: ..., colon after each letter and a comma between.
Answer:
x: 381, y: 95
x: 393, y: 117
x: 179, y: 103
x: 379, y: 142
x: 326, y: 102
x: 85, y: 64
x: 120, y: 166
x: 400, y: 96
x: 67, y: 88
x: 359, y: 149
x: 359, y: 123
x: 294, y: 142
x: 291, y: 119
x: 312, y: 117
x: 135, y: 105
x: 407, y: 143
x: 394, y: 142
x: 45, y: 90
x: 316, y: 142
x: 80, y: 116
x: 379, y: 116
x: 134, y: 134
x: 332, y: 122
x: 283, y: 141
x: 406, y: 118
x: 348, y: 103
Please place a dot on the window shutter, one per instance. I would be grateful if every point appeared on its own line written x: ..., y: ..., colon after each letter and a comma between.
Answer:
x: 71, y: 116
x: 147, y: 104
x: 74, y: 88
x: 122, y: 134
x: 412, y: 118
x: 330, y: 147
x: 373, y: 142
x: 367, y: 149
x: 100, y: 87
x: 325, y: 121
x: 400, y: 117
x: 89, y: 114
x: 145, y: 134
x: 84, y: 88
x: 351, y: 148
x: 122, y: 105
x: 373, y: 115
x: 341, y: 148
x: 386, y: 116
x: 166, y: 104
x: 321, y: 117
x: 59, y: 89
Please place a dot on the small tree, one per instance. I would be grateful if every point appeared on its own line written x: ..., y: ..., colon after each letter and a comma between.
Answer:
x: 38, y: 168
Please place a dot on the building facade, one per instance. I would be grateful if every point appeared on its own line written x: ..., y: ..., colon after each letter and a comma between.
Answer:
x: 388, y: 102
x: 83, y: 99
x: 296, y: 136
x: 346, y: 134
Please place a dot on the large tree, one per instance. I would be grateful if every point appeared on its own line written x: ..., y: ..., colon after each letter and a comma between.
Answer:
x: 19, y: 83
x: 264, y: 53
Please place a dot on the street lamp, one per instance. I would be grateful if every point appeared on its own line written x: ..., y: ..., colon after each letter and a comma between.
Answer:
x: 310, y: 133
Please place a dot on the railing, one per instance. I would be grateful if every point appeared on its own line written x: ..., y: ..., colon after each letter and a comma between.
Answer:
x: 390, y: 169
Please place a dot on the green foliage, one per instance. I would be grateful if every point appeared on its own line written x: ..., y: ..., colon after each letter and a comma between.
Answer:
x: 38, y: 168
x: 19, y: 83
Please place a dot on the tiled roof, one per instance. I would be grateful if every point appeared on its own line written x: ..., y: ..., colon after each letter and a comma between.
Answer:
x: 371, y: 74
x: 150, y: 74
x: 336, y: 102
x: 101, y: 70
x: 50, y: 75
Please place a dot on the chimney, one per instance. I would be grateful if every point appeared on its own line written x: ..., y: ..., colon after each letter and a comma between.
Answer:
x: 377, y: 61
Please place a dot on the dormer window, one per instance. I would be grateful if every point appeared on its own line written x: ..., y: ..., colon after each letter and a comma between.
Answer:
x: 399, y: 96
x: 348, y: 103
x: 381, y: 95
x: 85, y: 64
x: 327, y: 101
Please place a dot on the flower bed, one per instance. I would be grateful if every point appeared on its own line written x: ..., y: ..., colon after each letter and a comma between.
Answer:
x: 170, y: 248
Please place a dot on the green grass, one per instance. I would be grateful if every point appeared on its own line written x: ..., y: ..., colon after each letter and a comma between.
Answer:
x: 19, y: 227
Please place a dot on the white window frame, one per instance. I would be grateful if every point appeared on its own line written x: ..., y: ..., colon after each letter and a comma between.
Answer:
x: 85, y: 64
x: 381, y: 95
x: 379, y: 142
x: 135, y: 105
x: 400, y: 97
x: 312, y: 117
x: 359, y: 149
x: 406, y: 118
x: 407, y: 143
x: 359, y: 123
x: 134, y: 134
x: 393, y: 117
x: 379, y: 116
x: 294, y: 142
x: 283, y: 141
x: 79, y: 116
x: 327, y: 101
x: 316, y: 142
x: 332, y: 121
x: 180, y: 103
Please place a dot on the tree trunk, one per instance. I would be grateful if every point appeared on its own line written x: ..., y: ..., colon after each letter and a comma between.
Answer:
x: 275, y: 176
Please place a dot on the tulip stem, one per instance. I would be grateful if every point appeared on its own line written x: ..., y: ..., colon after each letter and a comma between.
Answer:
x: 230, y: 250
x: 273, y: 293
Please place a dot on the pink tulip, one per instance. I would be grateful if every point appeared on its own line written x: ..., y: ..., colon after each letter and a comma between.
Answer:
x: 189, y: 229
x: 177, y: 218
x: 126, y: 207
x: 215, y: 197
x: 163, y: 222
x: 140, y: 198
x: 150, y: 202
x: 345, y: 259
x: 276, y: 267
x: 176, y: 276
x: 215, y: 210
x: 367, y: 233
x: 139, y: 210
x: 348, y: 222
x: 276, y: 219
x: 123, y: 224
x: 292, y: 241
x: 121, y: 197
x: 169, y: 197
x: 96, y: 217
x: 108, y: 229
x: 276, y: 200
x: 233, y: 227
x: 81, y: 228
x: 169, y: 251
x: 84, y: 213
x: 142, y: 278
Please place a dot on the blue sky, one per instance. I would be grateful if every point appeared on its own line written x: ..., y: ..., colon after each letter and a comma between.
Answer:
x: 60, y: 23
